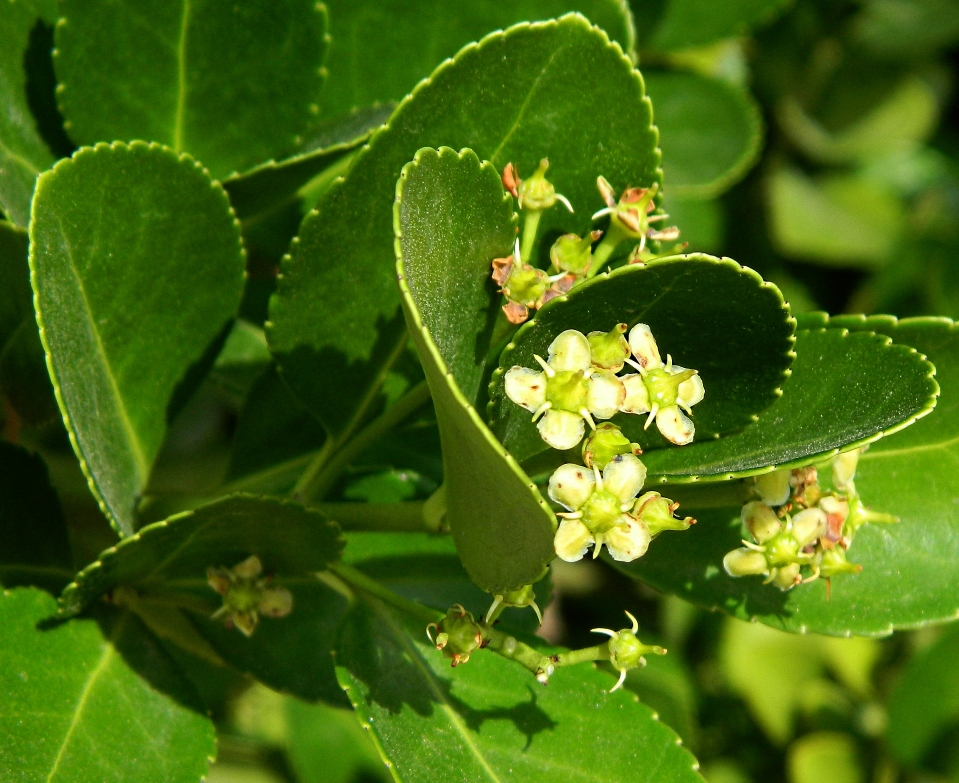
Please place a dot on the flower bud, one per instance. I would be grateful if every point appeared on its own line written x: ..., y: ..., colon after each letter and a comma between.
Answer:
x: 606, y: 442
x: 609, y: 350
x: 761, y: 521
x: 745, y: 562
x: 656, y: 512
x: 844, y: 470
x: 458, y: 635
x: 626, y: 651
x: 837, y: 512
x: 537, y: 193
x: 773, y: 488
x: 787, y: 577
x: 833, y: 562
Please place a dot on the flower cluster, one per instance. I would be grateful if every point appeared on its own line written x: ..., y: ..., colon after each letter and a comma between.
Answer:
x: 572, y: 257
x: 577, y: 383
x: 799, y: 531
x: 247, y: 595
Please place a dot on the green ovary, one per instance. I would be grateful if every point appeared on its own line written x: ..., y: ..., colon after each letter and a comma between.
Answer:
x: 601, y: 512
x: 567, y: 391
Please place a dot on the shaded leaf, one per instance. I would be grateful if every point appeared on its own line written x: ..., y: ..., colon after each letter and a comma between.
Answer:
x: 689, y: 23
x: 452, y: 217
x: 845, y: 390
x: 903, y: 27
x: 492, y: 717
x: 82, y: 702
x: 687, y: 301
x: 710, y: 132
x: 171, y: 557
x: 156, y: 71
x: 107, y: 225
x: 556, y: 89
x: 268, y: 184
x: 23, y: 154
x: 34, y: 546
x: 415, y: 37
x: 908, y: 567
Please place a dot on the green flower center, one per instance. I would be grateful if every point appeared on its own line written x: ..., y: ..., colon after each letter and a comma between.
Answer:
x: 567, y: 391
x: 244, y: 597
x: 782, y: 550
x: 601, y: 512
x: 526, y: 284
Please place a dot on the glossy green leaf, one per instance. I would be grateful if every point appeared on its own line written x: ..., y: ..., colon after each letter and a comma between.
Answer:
x: 292, y: 654
x: 490, y: 719
x: 23, y: 154
x: 837, y: 220
x: 171, y: 557
x: 558, y: 89
x: 908, y: 568
x: 35, y: 548
x: 710, y: 132
x: 687, y: 301
x: 23, y: 373
x: 88, y: 702
x: 925, y: 701
x: 689, y: 23
x: 233, y: 85
x: 415, y: 37
x: 845, y: 390
x: 137, y: 268
x: 452, y: 218
x: 270, y: 183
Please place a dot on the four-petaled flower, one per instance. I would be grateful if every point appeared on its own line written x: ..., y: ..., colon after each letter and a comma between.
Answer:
x: 246, y: 595
x: 660, y: 389
x: 567, y: 392
x: 598, y: 509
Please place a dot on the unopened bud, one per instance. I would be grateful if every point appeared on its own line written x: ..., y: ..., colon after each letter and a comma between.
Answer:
x: 656, y: 512
x: 844, y: 470
x: 808, y: 526
x: 761, y: 521
x: 458, y: 635
x: 745, y: 562
x: 773, y: 488
x: 604, y: 443
x: 609, y: 350
x: 571, y: 254
x: 537, y: 193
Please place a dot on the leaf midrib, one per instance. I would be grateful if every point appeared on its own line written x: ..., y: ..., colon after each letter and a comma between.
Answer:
x: 105, y: 657
x: 181, y: 77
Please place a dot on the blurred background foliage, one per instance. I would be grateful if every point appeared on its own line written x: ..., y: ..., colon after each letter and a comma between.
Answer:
x: 842, y: 123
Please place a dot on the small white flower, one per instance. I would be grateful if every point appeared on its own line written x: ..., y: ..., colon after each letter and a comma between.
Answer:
x: 598, y: 507
x: 567, y: 392
x: 661, y: 390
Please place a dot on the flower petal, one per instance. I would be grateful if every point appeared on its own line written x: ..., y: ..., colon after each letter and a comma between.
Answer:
x: 691, y: 390
x: 572, y: 540
x: 276, y: 602
x: 624, y: 476
x: 675, y: 426
x: 561, y: 429
x: 526, y: 387
x: 773, y: 488
x: 606, y: 395
x: 761, y: 521
x: 644, y: 348
x: 844, y: 469
x: 745, y: 562
x: 637, y: 396
x: 249, y: 568
x: 569, y: 352
x: 571, y: 485
x: 808, y: 525
x: 627, y: 541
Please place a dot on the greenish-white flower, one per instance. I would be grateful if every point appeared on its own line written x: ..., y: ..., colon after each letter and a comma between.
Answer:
x: 567, y: 392
x: 598, y: 506
x: 661, y: 390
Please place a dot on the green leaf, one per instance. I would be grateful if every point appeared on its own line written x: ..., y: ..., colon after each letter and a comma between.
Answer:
x: 845, y: 390
x: 156, y: 71
x: 690, y: 23
x: 23, y: 373
x: 292, y: 654
x: 82, y: 702
x: 710, y: 132
x: 831, y: 752
x: 452, y: 218
x: 489, y: 720
x: 687, y: 301
x: 36, y: 548
x: 702, y: 223
x: 108, y: 224
x: 925, y: 701
x: 908, y: 567
x: 23, y: 155
x: 415, y: 37
x: 837, y: 220
x: 170, y: 558
x: 901, y: 28
x: 270, y: 183
x: 558, y: 89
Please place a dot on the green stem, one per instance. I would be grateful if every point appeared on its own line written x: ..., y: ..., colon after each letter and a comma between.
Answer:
x: 599, y: 652
x: 530, y: 225
x: 361, y: 583
x: 320, y: 477
x: 611, y: 240
x: 513, y: 649
x: 314, y: 469
x: 400, y: 517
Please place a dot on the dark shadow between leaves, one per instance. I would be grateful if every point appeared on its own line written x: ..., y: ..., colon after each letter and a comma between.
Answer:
x: 41, y: 90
